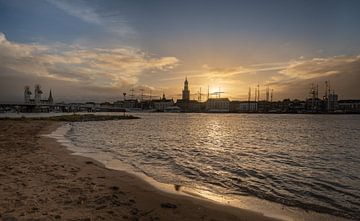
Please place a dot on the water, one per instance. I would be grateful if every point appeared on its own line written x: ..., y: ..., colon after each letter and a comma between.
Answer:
x: 307, y: 161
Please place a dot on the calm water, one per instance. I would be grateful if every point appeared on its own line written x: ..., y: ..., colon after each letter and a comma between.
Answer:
x: 308, y: 161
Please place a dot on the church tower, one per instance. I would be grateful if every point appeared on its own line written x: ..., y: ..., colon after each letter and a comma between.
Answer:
x: 38, y: 93
x: 27, y: 94
x: 186, y: 92
x: 50, y: 99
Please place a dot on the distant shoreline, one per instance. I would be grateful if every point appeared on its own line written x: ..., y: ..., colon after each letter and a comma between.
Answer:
x: 74, y: 118
x: 98, y: 116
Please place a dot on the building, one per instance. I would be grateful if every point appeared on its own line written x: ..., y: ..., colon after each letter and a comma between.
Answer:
x: 243, y: 106
x: 173, y: 109
x: 27, y: 95
x: 37, y: 96
x: 131, y: 104
x: 50, y: 99
x: 186, y: 91
x: 314, y: 105
x: 218, y: 105
x: 349, y: 106
x: 332, y: 102
x: 162, y: 104
x: 128, y: 104
x: 190, y: 106
x: 187, y: 105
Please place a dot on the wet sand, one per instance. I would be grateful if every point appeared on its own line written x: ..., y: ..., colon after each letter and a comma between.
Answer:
x: 41, y: 180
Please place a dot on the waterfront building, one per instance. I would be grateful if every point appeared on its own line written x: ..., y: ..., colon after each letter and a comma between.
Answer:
x: 187, y: 105
x: 128, y: 104
x: 243, y: 106
x: 131, y: 103
x: 162, y: 104
x: 50, y: 99
x: 218, y: 105
x: 172, y: 109
x: 349, y: 106
x: 27, y: 94
x: 190, y: 105
x: 37, y: 96
x: 263, y: 106
x: 186, y: 91
x: 145, y: 104
x: 38, y: 93
x: 314, y: 105
x: 288, y: 106
x: 332, y: 102
x: 297, y: 106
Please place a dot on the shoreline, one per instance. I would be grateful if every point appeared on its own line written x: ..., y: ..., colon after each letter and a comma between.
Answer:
x: 91, y: 191
x: 42, y: 180
x: 72, y: 118
x: 249, y: 203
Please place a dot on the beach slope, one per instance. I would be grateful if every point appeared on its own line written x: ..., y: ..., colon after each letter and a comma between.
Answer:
x: 41, y: 180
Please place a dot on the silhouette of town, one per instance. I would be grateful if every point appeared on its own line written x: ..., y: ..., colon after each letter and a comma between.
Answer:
x: 214, y: 103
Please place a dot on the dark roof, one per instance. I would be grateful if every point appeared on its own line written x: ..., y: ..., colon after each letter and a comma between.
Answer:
x: 218, y: 99
x: 163, y: 100
x: 186, y: 101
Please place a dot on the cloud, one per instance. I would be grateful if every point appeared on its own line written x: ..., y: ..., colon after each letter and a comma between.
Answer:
x: 106, y: 73
x: 291, y: 71
x: 318, y: 68
x: 289, y: 79
x: 111, y: 20
x: 78, y: 9
x: 296, y: 78
x: 216, y: 72
x: 83, y: 67
x: 240, y: 70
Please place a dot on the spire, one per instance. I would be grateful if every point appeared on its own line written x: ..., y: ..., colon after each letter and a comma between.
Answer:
x: 50, y: 99
x: 186, y: 92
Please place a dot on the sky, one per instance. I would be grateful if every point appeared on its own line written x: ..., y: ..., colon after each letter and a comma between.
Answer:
x: 96, y: 50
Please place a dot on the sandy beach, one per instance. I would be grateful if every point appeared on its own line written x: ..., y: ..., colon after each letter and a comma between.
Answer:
x: 41, y: 180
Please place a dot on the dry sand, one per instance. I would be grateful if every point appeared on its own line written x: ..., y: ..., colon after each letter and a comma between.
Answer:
x: 41, y: 180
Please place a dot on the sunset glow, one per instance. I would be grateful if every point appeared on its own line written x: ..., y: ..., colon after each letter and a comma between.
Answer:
x: 225, y: 110
x: 98, y: 50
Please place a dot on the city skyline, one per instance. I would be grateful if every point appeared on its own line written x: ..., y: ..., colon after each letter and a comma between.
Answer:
x: 96, y: 50
x: 201, y: 95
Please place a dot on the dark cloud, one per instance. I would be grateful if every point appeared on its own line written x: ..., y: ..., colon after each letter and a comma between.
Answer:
x: 343, y: 72
x: 76, y: 73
